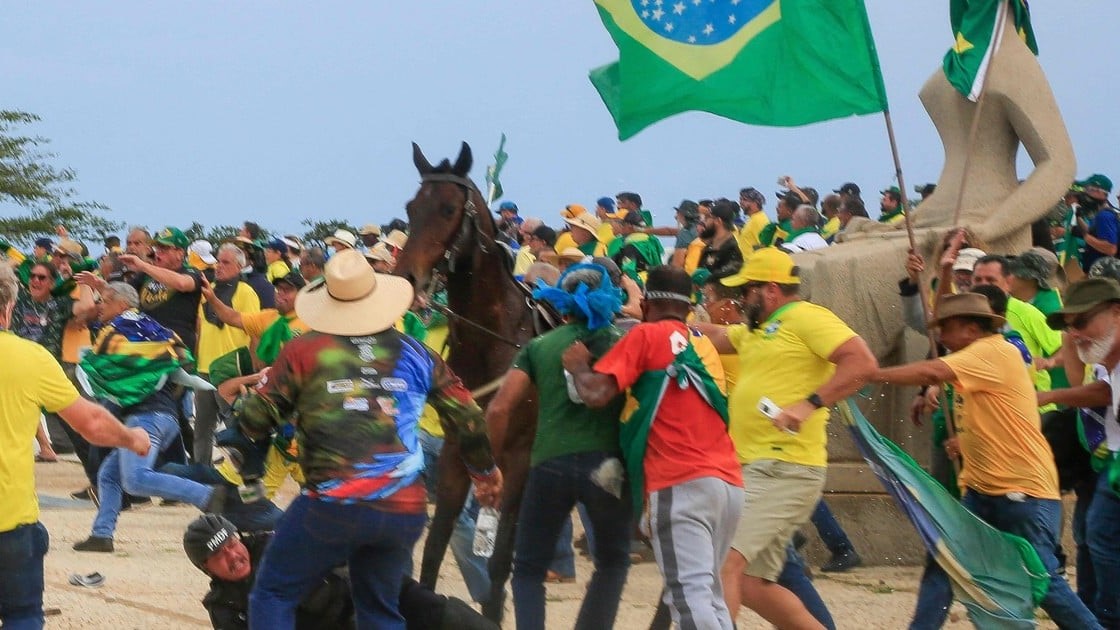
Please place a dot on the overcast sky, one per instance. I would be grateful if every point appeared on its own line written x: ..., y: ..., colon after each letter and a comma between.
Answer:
x: 278, y: 111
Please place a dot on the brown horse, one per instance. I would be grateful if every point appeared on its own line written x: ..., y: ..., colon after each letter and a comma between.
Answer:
x: 489, y: 319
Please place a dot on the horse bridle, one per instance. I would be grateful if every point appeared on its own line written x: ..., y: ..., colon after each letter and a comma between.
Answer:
x: 468, y: 223
x: 469, y: 220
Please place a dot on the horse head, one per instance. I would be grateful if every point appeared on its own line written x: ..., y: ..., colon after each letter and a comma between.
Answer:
x: 446, y: 217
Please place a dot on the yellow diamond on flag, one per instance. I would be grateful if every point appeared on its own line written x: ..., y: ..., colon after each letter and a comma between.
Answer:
x: 962, y: 45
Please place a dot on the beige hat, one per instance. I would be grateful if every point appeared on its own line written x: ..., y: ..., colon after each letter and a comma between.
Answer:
x: 964, y: 305
x: 70, y: 248
x: 587, y: 221
x: 342, y: 237
x: 370, y: 228
x: 572, y: 253
x: 967, y: 257
x: 381, y: 252
x: 351, y: 299
x: 397, y: 239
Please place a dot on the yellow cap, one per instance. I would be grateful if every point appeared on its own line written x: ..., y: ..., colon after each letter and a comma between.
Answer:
x: 768, y: 264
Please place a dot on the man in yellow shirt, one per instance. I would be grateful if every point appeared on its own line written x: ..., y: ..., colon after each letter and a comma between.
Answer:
x: 796, y: 360
x: 1009, y: 479
x: 32, y: 380
x: 261, y: 326
x: 215, y: 338
x: 751, y: 201
x: 891, y: 211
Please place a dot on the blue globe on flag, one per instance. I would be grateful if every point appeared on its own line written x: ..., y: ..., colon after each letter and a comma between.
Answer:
x: 698, y: 22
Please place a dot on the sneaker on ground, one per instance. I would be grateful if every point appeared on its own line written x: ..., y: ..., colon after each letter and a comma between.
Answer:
x: 842, y: 562
x: 95, y: 543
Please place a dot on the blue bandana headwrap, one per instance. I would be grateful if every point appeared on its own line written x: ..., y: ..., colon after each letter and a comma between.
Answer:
x: 597, y: 305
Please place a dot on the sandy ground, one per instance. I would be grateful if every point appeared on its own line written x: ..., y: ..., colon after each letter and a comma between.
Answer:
x: 149, y: 583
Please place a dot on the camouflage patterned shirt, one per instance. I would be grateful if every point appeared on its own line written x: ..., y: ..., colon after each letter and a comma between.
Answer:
x: 355, y: 403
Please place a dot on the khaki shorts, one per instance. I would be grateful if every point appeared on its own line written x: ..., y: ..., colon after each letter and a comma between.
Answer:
x: 780, y: 498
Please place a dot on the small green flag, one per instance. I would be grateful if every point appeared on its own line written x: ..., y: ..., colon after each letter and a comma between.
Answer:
x: 761, y: 62
x: 494, y: 186
x: 976, y: 39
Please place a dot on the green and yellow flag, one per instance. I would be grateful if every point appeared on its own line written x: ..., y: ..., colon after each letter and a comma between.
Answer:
x: 977, y: 38
x: 761, y: 62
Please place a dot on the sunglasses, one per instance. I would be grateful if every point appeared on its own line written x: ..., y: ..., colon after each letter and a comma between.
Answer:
x: 1082, y: 321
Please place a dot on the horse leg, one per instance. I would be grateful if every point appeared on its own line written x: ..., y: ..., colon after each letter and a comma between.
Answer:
x: 451, y: 494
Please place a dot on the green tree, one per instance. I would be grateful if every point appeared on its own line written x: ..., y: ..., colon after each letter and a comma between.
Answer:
x: 318, y: 230
x: 216, y: 235
x: 35, y: 195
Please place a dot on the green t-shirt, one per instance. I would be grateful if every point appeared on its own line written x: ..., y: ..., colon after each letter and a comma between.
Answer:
x: 565, y: 427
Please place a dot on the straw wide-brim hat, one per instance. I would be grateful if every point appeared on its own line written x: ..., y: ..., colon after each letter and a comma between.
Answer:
x: 587, y: 221
x: 350, y: 299
x: 342, y: 237
x: 572, y: 253
x: 396, y: 238
x: 964, y: 305
x: 381, y: 252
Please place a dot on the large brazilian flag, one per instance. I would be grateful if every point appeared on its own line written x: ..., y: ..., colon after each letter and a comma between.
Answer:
x: 761, y: 62
x: 997, y: 576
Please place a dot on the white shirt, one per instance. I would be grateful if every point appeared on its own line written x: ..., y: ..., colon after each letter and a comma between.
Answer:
x: 805, y: 242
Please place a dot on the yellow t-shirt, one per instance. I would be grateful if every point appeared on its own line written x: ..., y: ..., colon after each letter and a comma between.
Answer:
x: 213, y: 342
x: 748, y: 236
x: 523, y: 261
x: 564, y: 240
x: 785, y: 359
x: 277, y: 269
x: 429, y: 418
x: 32, y: 379
x: 255, y: 324
x: 830, y: 228
x: 998, y: 423
x: 693, y: 254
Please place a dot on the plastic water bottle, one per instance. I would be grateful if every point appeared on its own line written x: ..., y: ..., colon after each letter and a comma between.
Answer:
x: 485, y: 532
x: 573, y: 393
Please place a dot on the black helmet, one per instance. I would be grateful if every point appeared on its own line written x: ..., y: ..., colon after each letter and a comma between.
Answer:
x: 206, y: 535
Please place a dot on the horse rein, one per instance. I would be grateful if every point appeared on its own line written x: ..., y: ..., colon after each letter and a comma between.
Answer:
x: 469, y: 221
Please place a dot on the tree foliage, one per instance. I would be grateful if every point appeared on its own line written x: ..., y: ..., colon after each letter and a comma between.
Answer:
x: 35, y: 195
x: 215, y: 235
x: 319, y: 229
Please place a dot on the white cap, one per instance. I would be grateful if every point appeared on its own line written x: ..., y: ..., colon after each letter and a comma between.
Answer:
x: 204, y: 250
x: 967, y: 257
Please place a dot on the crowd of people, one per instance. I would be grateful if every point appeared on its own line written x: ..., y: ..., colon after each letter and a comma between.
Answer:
x: 685, y: 395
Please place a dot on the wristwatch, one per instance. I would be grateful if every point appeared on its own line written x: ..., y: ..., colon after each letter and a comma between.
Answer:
x: 815, y: 400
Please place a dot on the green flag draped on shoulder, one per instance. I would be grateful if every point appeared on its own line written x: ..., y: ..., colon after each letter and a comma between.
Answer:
x: 686, y: 370
x: 761, y: 62
x: 976, y: 39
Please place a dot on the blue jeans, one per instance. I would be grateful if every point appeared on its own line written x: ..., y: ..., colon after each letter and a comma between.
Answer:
x: 793, y: 578
x: 1103, y: 536
x: 1086, y: 576
x: 828, y: 528
x: 256, y: 516
x: 125, y: 471
x: 21, y: 576
x: 1038, y: 521
x: 313, y: 538
x: 551, y: 491
x: 935, y: 596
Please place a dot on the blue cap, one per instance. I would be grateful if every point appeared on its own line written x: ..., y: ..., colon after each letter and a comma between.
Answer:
x: 508, y: 205
x: 606, y: 203
x: 277, y: 245
x: 44, y: 242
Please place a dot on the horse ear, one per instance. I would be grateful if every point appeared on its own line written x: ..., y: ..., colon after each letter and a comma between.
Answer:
x: 464, y: 161
x: 419, y: 160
